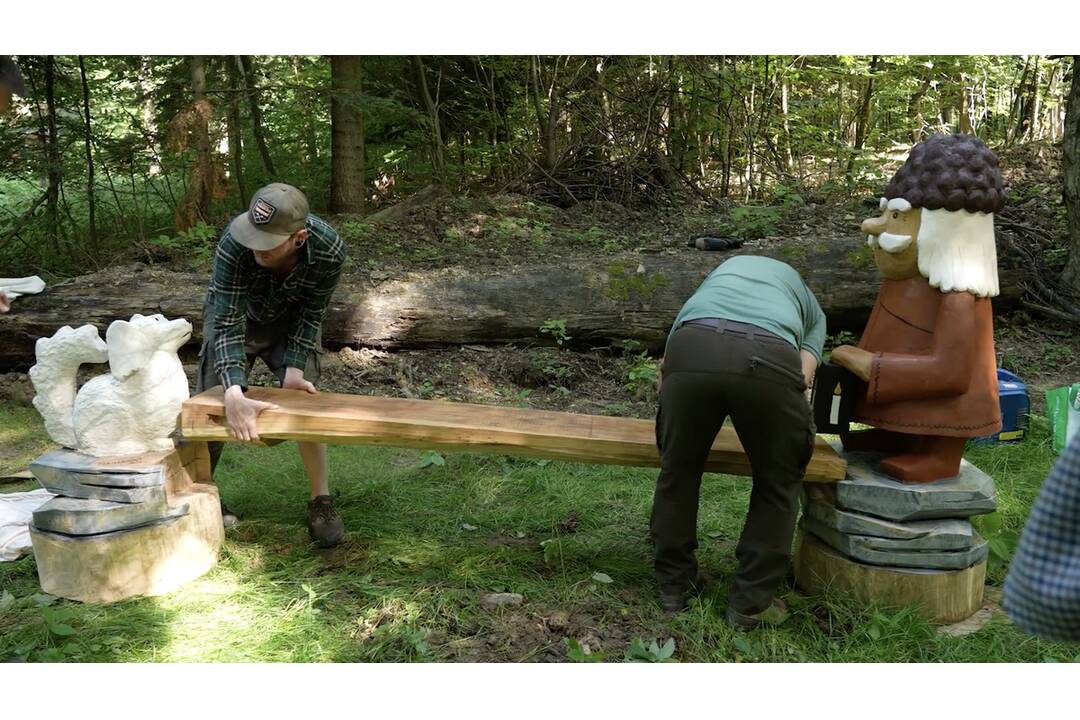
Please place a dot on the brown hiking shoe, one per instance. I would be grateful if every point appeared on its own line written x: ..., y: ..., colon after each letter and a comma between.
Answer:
x: 775, y: 614
x: 324, y: 522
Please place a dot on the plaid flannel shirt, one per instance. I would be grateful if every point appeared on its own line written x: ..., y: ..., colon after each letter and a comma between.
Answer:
x: 1042, y: 589
x: 241, y: 290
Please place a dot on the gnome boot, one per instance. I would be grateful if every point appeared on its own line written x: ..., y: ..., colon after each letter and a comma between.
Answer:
x: 938, y: 458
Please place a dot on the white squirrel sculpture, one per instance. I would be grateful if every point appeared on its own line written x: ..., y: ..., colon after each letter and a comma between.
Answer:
x: 129, y: 411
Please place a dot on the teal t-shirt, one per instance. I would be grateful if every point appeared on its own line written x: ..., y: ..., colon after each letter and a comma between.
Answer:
x: 763, y: 292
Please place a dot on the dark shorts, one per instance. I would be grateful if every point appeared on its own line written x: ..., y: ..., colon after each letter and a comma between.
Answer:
x: 266, y: 341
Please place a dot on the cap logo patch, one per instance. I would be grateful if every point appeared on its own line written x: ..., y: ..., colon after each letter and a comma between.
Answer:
x: 262, y: 211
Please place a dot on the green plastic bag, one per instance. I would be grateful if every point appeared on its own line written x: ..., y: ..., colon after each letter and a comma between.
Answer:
x: 1063, y: 407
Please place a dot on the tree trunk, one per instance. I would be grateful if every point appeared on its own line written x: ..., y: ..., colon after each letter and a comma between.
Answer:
x: 346, y: 135
x: 196, y: 205
x: 236, y: 134
x: 862, y: 122
x: 913, y: 110
x: 54, y: 170
x: 546, y: 121
x: 633, y: 297
x: 1027, y: 95
x: 965, y: 112
x: 311, y: 142
x: 438, y: 163
x: 1070, y: 172
x: 248, y: 70
x: 91, y: 206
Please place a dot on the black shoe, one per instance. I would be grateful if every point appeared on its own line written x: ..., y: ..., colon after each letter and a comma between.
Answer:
x: 324, y: 522
x: 228, y: 517
x: 674, y: 600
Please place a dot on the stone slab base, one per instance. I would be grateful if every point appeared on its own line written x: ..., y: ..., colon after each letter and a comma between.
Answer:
x: 942, y: 534
x: 942, y: 596
x: 150, y: 560
x: 867, y: 490
x: 896, y: 553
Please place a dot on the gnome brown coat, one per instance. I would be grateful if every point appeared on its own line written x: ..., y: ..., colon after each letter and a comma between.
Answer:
x: 933, y: 371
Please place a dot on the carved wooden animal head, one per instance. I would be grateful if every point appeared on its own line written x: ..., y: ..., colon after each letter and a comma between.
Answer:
x: 133, y: 343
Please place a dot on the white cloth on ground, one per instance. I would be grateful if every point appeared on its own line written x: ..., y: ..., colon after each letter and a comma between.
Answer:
x: 16, y: 511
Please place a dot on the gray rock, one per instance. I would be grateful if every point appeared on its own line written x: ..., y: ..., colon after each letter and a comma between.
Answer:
x: 65, y: 459
x: 77, y: 516
x: 93, y: 486
x: 865, y: 490
x: 856, y: 548
x: 497, y: 600
x: 123, y: 480
x: 942, y: 534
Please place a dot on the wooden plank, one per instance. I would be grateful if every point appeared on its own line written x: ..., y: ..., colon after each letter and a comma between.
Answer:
x: 396, y: 422
x: 942, y: 596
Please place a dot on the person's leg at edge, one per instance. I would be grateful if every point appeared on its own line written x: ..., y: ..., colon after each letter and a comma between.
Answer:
x: 690, y: 416
x: 774, y: 425
x: 314, y: 458
x: 324, y: 522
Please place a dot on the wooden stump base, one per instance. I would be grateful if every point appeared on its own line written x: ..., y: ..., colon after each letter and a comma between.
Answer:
x: 150, y: 560
x: 945, y: 596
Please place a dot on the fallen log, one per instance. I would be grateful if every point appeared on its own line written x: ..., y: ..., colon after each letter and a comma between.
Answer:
x: 633, y: 297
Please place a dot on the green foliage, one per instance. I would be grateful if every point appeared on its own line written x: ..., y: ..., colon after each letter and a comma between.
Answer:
x: 1002, y: 542
x: 788, y: 197
x: 511, y: 231
x: 843, y: 337
x: 642, y: 375
x: 143, y: 130
x: 549, y: 364
x: 197, y: 243
x: 623, y: 282
x: 654, y: 652
x: 429, y: 458
x: 557, y: 330
x: 575, y: 652
x: 861, y: 257
x: 752, y: 222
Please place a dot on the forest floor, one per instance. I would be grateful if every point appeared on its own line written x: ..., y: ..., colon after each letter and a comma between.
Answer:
x: 429, y: 536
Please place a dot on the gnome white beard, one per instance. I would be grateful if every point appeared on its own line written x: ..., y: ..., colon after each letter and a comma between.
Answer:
x: 957, y: 251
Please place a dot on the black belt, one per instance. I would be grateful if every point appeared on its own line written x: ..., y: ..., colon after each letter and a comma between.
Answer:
x: 731, y: 327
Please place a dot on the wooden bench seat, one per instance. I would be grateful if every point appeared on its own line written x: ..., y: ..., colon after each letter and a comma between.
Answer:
x: 440, y: 425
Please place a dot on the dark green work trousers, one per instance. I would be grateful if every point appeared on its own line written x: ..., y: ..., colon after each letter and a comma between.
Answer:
x: 711, y: 373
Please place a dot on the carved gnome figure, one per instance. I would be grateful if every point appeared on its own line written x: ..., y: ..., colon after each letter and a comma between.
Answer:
x: 926, y: 356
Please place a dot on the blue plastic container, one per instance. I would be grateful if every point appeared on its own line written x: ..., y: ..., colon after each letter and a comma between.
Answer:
x: 1015, y: 408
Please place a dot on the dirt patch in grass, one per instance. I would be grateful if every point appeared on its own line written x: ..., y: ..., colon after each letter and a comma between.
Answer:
x: 540, y: 634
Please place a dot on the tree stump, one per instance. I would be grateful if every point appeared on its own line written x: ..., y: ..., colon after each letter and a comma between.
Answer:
x: 942, y: 596
x: 151, y: 559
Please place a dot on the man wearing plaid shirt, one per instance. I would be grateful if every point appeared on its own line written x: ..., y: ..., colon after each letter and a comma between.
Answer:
x: 1042, y: 589
x: 275, y: 269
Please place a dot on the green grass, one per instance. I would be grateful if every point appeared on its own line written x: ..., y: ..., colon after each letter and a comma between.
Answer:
x: 407, y: 582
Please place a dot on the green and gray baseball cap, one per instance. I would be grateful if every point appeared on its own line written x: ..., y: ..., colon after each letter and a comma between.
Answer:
x: 276, y: 212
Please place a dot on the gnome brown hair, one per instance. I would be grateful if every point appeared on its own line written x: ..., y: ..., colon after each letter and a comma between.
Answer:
x: 954, y: 172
